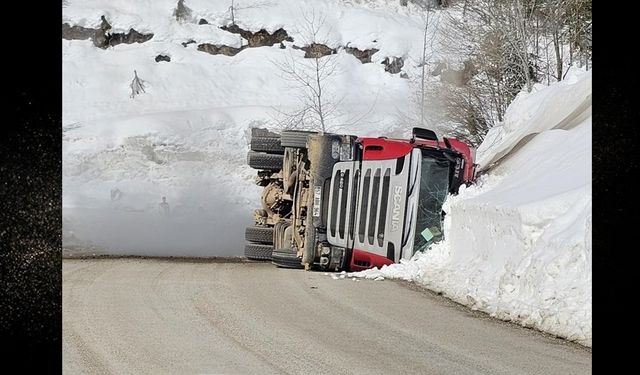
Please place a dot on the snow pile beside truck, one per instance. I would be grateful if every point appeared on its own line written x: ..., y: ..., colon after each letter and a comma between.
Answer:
x: 518, y: 243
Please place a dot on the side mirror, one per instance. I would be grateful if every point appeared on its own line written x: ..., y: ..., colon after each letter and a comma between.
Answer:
x: 425, y: 134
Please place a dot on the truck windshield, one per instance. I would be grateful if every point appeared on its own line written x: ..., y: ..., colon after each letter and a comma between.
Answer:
x: 434, y: 186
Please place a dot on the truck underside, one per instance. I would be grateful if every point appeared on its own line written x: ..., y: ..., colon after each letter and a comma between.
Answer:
x: 338, y: 202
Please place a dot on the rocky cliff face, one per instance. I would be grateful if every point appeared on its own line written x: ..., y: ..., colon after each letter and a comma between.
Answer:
x: 102, y: 37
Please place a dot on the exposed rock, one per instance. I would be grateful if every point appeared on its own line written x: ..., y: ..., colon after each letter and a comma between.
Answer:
x: 263, y: 38
x: 392, y: 64
x: 404, y: 75
x: 363, y: 56
x: 203, y: 22
x: 101, y: 36
x: 163, y: 58
x: 235, y: 29
x: 76, y: 32
x: 317, y: 50
x: 185, y: 44
x: 219, y: 50
x: 131, y: 37
x: 260, y: 38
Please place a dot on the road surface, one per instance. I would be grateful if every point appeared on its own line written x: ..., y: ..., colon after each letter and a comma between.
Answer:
x: 155, y: 316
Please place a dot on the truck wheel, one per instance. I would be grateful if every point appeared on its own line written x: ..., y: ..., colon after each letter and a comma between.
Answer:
x: 258, y: 251
x: 285, y: 259
x: 262, y: 132
x: 269, y: 162
x: 267, y: 144
x: 262, y: 235
x: 295, y: 138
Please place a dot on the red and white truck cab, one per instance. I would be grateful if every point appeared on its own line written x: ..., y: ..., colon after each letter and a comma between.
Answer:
x: 342, y: 202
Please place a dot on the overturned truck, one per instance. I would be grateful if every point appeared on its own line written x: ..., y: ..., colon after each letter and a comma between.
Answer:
x: 340, y: 202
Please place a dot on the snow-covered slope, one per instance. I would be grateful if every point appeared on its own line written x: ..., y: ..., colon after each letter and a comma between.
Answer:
x: 519, y: 241
x: 186, y: 137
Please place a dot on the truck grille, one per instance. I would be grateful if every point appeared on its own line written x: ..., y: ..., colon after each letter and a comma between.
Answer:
x: 339, y: 203
x: 366, y: 227
x: 367, y: 204
x: 371, y: 227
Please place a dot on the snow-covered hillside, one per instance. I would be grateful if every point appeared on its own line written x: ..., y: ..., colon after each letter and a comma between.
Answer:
x: 518, y: 242
x: 186, y: 137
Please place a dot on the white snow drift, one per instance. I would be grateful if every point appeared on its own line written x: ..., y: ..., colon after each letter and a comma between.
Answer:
x: 518, y: 242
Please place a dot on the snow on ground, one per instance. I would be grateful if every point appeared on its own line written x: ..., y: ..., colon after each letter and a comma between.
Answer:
x: 519, y: 241
x: 187, y: 136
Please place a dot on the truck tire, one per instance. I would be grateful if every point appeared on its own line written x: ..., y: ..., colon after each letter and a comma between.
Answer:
x: 258, y: 234
x: 258, y: 251
x: 262, y: 132
x: 286, y: 259
x: 267, y: 144
x: 260, y: 160
x: 295, y: 138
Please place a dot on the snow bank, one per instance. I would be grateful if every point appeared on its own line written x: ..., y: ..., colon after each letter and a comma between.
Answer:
x: 519, y: 241
x: 571, y: 103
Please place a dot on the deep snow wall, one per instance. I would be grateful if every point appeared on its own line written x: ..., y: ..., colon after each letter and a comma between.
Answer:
x: 519, y: 241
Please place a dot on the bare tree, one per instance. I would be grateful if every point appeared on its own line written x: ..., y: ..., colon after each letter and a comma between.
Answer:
x: 497, y: 38
x: 232, y: 10
x: 312, y: 79
x: 470, y: 111
x: 137, y: 85
x: 568, y: 26
x: 424, y: 64
x: 430, y: 20
x: 579, y: 29
x: 512, y: 44
x: 318, y: 106
x: 508, y: 23
x: 310, y: 76
x: 426, y: 101
x: 234, y: 7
